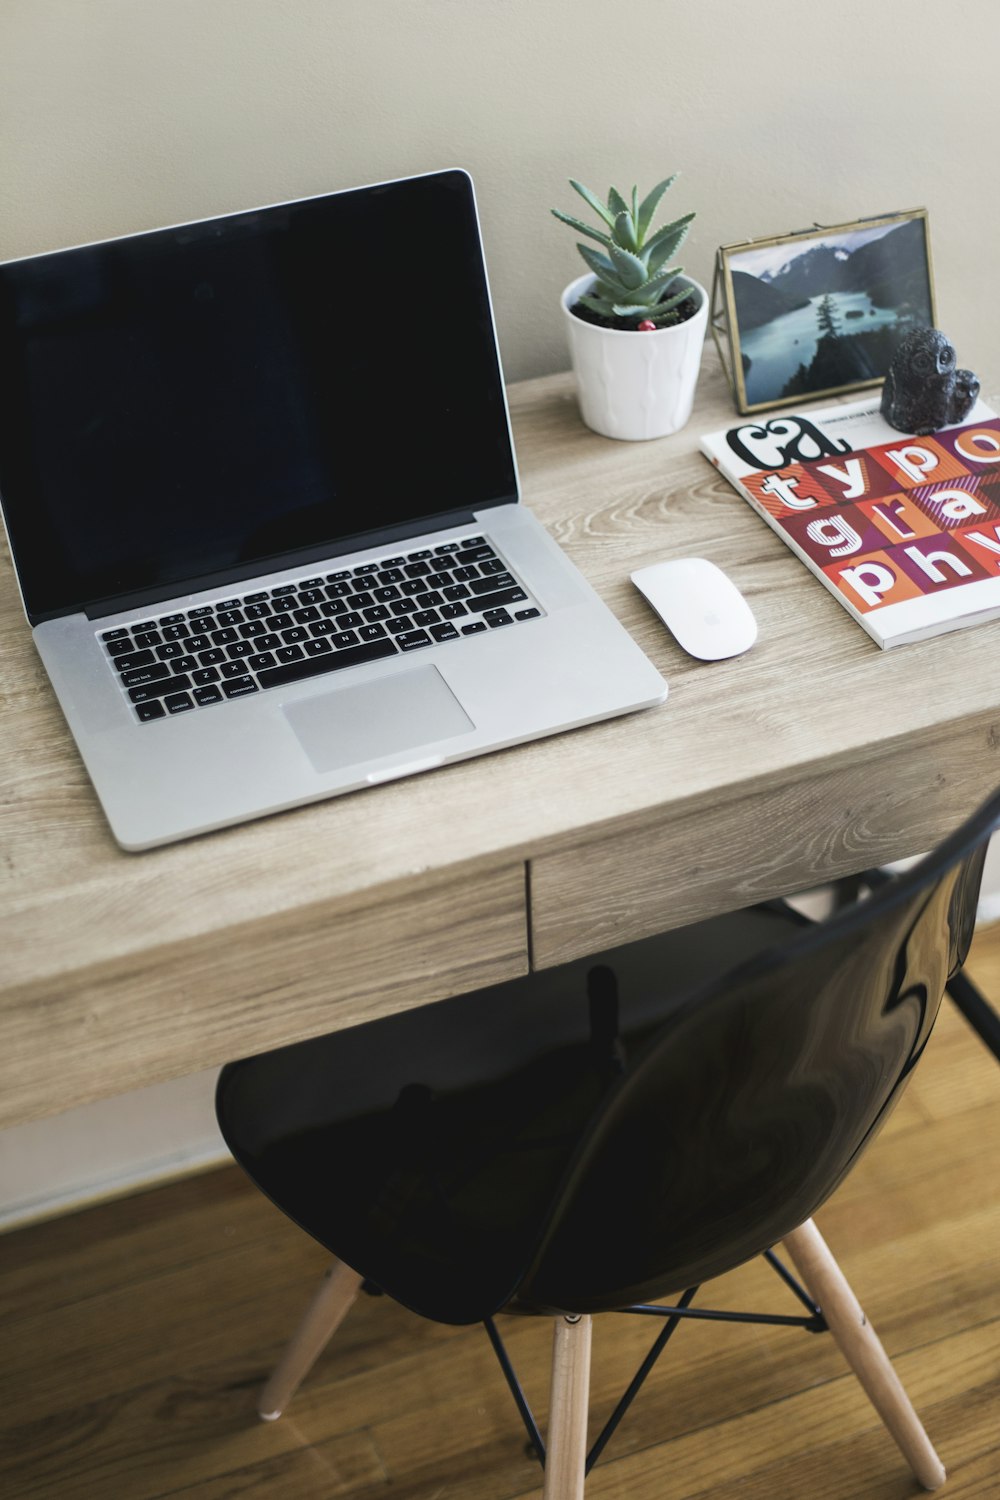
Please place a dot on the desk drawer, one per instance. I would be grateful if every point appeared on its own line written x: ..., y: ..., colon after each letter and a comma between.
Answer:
x: 772, y: 841
x: 177, y: 1009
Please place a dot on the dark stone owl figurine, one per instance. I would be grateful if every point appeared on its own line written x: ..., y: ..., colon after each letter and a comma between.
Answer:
x: 923, y: 391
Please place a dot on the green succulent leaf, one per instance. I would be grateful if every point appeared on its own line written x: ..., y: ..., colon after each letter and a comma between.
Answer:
x: 616, y: 203
x: 647, y: 207
x: 667, y: 241
x: 581, y: 227
x: 651, y: 290
x: 669, y: 303
x: 598, y: 263
x: 624, y: 233
x: 594, y: 201
x: 596, y: 304
x: 631, y: 270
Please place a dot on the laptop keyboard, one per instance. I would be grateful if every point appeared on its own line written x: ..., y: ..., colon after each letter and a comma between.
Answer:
x: 172, y: 664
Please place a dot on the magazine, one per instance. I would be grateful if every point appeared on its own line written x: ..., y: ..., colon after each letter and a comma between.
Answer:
x: 904, y: 531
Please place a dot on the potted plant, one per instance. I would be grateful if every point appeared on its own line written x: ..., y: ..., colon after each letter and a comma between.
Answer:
x: 636, y: 324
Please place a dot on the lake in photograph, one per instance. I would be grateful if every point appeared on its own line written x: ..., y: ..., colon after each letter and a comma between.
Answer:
x: 776, y: 349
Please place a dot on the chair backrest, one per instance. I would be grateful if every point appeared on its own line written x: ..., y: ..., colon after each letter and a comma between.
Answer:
x: 745, y: 1108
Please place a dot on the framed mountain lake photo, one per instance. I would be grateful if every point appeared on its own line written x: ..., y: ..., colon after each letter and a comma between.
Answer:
x: 820, y: 311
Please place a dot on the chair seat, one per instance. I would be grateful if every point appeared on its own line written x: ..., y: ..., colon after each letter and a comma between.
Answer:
x: 444, y: 1132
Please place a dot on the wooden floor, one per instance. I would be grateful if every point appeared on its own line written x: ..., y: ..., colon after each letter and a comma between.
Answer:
x: 135, y: 1335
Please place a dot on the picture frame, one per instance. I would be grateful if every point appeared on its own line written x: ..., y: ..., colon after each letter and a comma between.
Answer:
x: 819, y: 311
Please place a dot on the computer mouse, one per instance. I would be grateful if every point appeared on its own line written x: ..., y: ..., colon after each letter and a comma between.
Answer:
x: 700, y: 605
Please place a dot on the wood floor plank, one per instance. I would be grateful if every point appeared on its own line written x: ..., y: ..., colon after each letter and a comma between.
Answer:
x: 137, y: 1334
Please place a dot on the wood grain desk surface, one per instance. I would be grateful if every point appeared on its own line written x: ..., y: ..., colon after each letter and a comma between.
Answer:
x: 813, y: 755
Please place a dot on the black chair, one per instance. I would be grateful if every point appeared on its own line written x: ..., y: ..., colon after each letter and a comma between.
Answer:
x: 600, y: 1135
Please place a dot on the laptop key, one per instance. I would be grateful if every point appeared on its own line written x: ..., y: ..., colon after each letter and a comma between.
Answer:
x: 233, y: 669
x: 174, y: 632
x: 527, y: 614
x: 370, y: 632
x: 343, y: 639
x: 197, y: 643
x: 184, y: 664
x: 241, y: 648
x: 139, y: 676
x: 113, y: 635
x: 154, y: 709
x: 496, y: 617
x: 426, y: 617
x: 473, y: 555
x: 314, y: 666
x: 205, y: 695
x: 147, y: 638
x: 205, y: 675
x: 289, y: 653
x: 317, y: 647
x: 452, y: 611
x: 501, y: 597
x: 264, y: 659
x: 414, y: 640
x: 212, y: 657
x: 444, y: 632
x: 120, y: 648
x: 474, y: 628
x: 172, y: 648
x: 397, y: 626
x: 136, y: 659
x: 159, y: 689
x: 239, y: 687
x: 178, y: 703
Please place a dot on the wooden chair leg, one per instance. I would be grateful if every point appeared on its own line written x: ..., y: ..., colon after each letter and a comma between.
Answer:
x: 863, y: 1351
x: 566, y: 1444
x: 320, y: 1322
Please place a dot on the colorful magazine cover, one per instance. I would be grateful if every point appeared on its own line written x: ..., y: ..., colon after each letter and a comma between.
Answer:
x: 905, y: 531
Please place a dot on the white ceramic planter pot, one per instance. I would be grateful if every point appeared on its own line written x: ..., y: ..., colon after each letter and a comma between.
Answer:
x: 635, y: 385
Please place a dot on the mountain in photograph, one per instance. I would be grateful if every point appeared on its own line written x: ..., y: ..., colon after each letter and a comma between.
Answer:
x: 759, y: 301
x: 891, y: 269
x: 821, y: 269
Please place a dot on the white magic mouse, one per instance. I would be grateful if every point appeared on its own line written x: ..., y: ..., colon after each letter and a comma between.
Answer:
x: 700, y: 606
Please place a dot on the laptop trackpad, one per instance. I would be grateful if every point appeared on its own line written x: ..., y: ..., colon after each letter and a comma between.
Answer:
x: 363, y: 723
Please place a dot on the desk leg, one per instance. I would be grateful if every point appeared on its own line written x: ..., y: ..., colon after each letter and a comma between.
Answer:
x: 320, y: 1322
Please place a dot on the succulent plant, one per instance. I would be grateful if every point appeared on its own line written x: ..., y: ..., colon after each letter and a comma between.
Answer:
x: 634, y: 283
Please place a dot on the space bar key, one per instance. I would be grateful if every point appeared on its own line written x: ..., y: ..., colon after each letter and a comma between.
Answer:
x: 317, y: 666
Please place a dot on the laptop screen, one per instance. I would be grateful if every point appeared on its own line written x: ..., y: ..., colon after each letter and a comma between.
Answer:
x: 205, y: 399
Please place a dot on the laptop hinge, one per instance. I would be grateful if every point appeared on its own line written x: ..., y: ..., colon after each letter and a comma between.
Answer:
x: 385, y: 536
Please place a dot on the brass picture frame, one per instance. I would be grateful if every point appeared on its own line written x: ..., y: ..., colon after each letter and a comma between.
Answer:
x: 818, y: 312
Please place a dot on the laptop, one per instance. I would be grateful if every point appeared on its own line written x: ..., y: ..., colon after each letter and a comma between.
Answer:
x: 260, y: 490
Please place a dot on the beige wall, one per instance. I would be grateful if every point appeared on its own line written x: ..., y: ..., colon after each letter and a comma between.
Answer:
x: 118, y: 115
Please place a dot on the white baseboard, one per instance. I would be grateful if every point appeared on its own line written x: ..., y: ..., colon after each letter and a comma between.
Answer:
x: 108, y: 1148
x: 86, y: 1194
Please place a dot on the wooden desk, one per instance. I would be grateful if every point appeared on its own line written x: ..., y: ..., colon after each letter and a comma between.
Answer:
x: 812, y: 756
